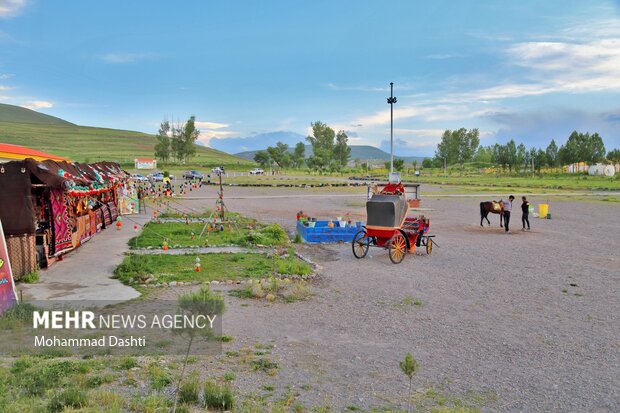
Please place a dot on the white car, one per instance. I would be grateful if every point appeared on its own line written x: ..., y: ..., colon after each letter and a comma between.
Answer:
x: 139, y: 178
x: 257, y: 171
x: 218, y: 171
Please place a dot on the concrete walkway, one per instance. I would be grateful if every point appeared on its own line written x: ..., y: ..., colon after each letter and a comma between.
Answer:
x: 84, y: 274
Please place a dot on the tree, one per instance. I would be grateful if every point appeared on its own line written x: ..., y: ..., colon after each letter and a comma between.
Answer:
x: 582, y: 147
x: 409, y: 367
x: 427, y: 163
x: 188, y: 139
x: 511, y: 154
x: 458, y: 146
x: 522, y: 157
x: 280, y: 154
x: 415, y: 165
x: 614, y: 156
x: 468, y: 142
x: 262, y: 158
x: 342, y: 152
x: 329, y: 151
x: 299, y: 155
x: 484, y: 154
x: 162, y: 147
x: 399, y: 164
x: 552, y: 154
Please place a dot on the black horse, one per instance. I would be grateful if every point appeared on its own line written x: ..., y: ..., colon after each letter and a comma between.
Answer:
x: 494, y: 208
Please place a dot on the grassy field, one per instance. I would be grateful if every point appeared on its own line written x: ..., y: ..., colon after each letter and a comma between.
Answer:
x: 218, y: 267
x: 90, y: 144
x: 462, y: 183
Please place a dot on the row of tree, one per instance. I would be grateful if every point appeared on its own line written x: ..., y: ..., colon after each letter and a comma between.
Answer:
x: 462, y: 146
x: 330, y: 151
x: 177, y: 142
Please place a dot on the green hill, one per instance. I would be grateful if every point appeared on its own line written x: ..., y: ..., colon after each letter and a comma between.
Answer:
x: 89, y: 144
x: 10, y: 113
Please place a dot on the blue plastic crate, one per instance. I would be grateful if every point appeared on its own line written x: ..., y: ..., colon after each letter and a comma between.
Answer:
x: 322, y: 233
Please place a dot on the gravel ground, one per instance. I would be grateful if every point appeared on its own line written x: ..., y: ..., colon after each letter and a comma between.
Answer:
x: 530, y: 318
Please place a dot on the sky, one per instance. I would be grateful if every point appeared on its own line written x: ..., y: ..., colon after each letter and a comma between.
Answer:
x: 255, y: 72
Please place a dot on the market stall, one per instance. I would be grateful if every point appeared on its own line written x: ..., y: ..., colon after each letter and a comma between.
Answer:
x: 51, y: 207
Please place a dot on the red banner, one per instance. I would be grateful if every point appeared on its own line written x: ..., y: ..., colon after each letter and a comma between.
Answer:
x: 8, y: 296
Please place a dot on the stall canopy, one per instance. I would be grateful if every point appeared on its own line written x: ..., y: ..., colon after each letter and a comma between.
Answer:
x: 75, y: 179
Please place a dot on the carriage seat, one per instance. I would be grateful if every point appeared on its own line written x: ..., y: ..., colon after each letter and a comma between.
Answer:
x: 386, y: 210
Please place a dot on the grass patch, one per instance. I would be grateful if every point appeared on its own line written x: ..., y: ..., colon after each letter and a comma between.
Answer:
x: 273, y: 289
x: 137, y: 268
x: 31, y: 278
x: 189, y: 392
x: 248, y: 233
x: 218, y: 396
x: 70, y: 398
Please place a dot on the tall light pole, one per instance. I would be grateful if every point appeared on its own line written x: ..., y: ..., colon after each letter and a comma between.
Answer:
x: 391, y: 100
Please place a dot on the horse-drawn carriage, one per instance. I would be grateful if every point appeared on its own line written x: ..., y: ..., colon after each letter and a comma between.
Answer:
x: 389, y: 226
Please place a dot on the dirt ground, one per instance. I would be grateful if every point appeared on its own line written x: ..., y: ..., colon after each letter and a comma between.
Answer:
x: 529, y: 320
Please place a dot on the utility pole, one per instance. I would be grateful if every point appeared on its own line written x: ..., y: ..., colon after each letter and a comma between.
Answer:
x: 391, y: 100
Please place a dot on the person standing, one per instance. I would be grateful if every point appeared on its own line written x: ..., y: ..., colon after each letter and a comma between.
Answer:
x: 525, y: 216
x: 507, y: 211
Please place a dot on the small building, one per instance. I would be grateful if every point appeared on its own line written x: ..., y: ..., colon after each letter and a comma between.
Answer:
x: 9, y: 152
x: 145, y: 163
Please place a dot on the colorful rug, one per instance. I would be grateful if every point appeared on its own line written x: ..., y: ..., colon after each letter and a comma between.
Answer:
x: 62, y: 222
x: 107, y: 218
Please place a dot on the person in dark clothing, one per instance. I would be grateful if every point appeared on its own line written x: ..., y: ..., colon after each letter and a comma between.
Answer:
x: 507, y: 210
x: 525, y: 209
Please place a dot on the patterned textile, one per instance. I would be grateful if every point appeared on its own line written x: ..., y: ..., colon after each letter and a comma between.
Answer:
x: 63, y: 224
x: 107, y: 218
x: 113, y: 210
x: 99, y: 218
x: 87, y: 228
x: 93, y: 223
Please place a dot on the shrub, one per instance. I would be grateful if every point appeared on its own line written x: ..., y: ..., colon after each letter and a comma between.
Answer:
x: 31, y: 278
x: 189, y: 390
x: 69, y: 398
x: 218, y: 396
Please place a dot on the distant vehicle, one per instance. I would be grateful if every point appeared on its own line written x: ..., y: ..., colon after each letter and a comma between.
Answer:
x: 192, y: 175
x: 257, y: 171
x: 159, y: 176
x: 218, y: 170
x: 417, y: 173
x: 139, y: 178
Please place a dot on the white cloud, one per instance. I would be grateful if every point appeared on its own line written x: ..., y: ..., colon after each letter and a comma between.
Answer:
x: 2, y: 87
x: 125, y: 58
x: 38, y: 104
x: 571, y: 67
x: 213, y: 130
x: 211, y: 125
x: 11, y: 8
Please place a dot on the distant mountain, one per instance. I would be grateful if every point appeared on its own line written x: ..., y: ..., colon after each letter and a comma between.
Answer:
x: 256, y: 142
x: 11, y: 113
x: 361, y: 152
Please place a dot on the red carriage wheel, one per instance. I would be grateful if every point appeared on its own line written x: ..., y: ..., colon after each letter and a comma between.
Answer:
x: 360, y: 244
x: 398, y: 249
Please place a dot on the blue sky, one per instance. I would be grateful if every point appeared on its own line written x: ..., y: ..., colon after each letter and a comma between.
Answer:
x: 527, y: 70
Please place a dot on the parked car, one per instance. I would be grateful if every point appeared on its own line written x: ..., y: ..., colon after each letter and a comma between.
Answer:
x: 192, y: 175
x: 139, y: 178
x: 257, y: 171
x: 159, y: 176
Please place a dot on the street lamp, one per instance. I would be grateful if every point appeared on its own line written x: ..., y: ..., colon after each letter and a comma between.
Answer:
x: 391, y: 100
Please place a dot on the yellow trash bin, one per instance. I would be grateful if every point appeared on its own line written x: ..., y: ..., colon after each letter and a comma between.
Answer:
x: 543, y: 210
